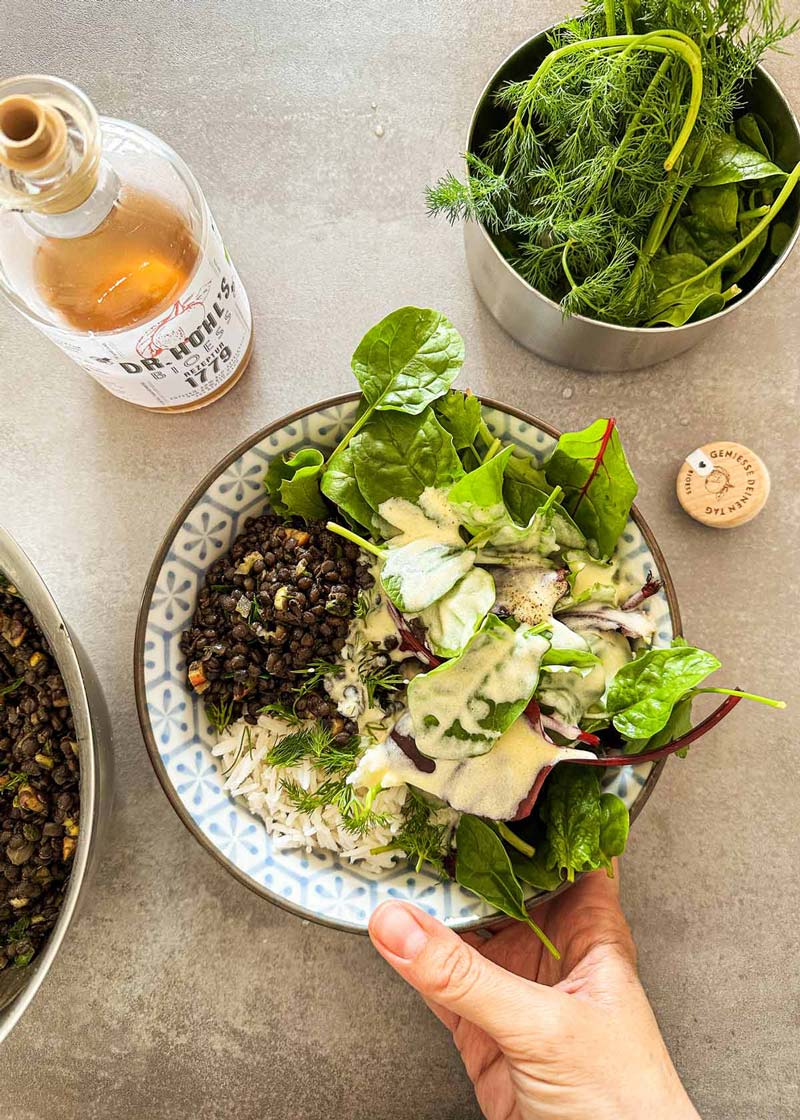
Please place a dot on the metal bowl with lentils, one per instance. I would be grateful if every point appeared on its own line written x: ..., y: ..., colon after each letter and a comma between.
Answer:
x: 53, y: 779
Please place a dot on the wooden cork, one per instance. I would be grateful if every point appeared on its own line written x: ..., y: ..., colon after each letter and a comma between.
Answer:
x: 33, y: 135
x: 723, y: 484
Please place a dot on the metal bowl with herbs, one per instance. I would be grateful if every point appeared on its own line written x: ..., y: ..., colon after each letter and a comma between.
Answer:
x: 412, y: 643
x: 54, y: 779
x: 631, y: 179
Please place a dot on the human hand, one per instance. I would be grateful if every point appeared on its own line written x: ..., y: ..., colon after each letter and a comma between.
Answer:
x: 574, y: 1039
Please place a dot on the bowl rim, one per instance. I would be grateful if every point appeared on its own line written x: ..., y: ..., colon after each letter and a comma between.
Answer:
x: 20, y: 569
x: 141, y: 628
x: 489, y: 244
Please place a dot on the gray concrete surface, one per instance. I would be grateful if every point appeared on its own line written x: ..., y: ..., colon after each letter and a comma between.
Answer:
x: 180, y: 994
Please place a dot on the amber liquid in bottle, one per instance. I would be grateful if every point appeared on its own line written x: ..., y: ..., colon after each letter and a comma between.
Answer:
x: 127, y: 271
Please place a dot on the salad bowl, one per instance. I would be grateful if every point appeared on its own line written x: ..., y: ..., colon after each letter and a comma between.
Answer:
x: 317, y: 885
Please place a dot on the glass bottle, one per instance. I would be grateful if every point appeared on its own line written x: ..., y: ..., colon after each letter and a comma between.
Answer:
x: 107, y: 245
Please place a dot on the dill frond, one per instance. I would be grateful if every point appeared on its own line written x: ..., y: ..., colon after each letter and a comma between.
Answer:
x: 220, y: 715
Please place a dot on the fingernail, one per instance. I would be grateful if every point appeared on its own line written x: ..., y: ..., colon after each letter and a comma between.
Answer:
x: 398, y: 931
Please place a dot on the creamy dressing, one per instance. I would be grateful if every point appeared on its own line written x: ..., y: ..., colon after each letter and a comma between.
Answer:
x: 452, y: 620
x: 573, y: 695
x: 422, y: 571
x: 432, y: 517
x: 492, y: 785
x: 499, y: 666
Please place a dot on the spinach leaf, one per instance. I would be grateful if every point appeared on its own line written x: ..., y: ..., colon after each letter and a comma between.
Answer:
x: 615, y: 823
x: 452, y: 620
x: 749, y: 131
x: 416, y: 574
x: 478, y: 497
x: 339, y: 483
x: 397, y: 455
x: 715, y: 208
x: 461, y: 708
x: 693, y: 235
x: 644, y: 692
x: 599, y: 487
x: 729, y: 160
x: 678, y: 724
x: 585, y: 827
x: 560, y: 659
x: 779, y: 237
x: 678, y: 298
x: 549, y: 530
x: 293, y: 485
x: 533, y: 872
x: 408, y: 359
x: 460, y: 415
x: 525, y: 487
x: 483, y: 867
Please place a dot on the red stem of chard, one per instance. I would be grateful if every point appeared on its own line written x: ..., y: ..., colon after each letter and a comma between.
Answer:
x: 598, y: 462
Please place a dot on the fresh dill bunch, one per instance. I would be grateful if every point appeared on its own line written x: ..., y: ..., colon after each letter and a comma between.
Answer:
x: 420, y: 838
x: 220, y: 715
x: 602, y: 143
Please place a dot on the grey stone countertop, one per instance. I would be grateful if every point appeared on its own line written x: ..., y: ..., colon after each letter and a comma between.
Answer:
x: 313, y: 128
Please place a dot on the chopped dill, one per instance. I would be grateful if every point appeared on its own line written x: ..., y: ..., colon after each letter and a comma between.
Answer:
x: 315, y: 672
x: 422, y: 840
x: 315, y: 744
x: 362, y: 605
x: 357, y: 816
x: 255, y: 614
x: 281, y: 711
x: 220, y: 715
x: 387, y: 679
x: 12, y: 780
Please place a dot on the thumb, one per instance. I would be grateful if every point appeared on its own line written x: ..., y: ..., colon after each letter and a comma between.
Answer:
x: 447, y: 971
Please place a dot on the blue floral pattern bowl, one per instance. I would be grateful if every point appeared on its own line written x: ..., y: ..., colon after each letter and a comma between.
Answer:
x: 317, y: 886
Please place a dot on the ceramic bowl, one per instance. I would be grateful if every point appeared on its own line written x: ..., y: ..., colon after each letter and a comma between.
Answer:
x: 317, y: 885
x: 93, y: 733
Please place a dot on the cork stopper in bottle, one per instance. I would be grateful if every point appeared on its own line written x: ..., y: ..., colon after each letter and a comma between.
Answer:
x: 723, y: 484
x: 33, y: 135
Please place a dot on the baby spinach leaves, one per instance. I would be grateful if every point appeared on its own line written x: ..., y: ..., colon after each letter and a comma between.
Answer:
x: 419, y: 573
x: 644, y: 692
x: 408, y: 360
x: 729, y: 160
x: 585, y: 827
x: 397, y: 455
x: 483, y: 866
x: 591, y: 468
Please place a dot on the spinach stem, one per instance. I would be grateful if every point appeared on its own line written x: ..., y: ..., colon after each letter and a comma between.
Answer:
x: 494, y: 447
x: 743, y: 695
x: 505, y: 833
x: 758, y: 212
x: 362, y: 542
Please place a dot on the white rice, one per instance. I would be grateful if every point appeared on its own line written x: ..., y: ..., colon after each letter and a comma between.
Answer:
x: 260, y: 788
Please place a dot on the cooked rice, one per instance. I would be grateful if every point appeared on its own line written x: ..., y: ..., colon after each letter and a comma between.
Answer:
x: 260, y: 788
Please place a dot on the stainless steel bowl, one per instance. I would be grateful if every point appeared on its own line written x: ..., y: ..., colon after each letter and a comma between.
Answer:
x: 580, y: 343
x: 93, y: 732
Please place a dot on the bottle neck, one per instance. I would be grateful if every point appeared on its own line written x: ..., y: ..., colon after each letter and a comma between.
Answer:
x: 86, y: 217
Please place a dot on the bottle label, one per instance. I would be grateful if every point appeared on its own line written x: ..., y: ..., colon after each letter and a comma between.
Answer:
x: 188, y: 352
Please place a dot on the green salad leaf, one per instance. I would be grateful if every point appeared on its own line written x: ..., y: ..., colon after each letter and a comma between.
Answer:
x: 585, y: 827
x: 591, y: 468
x: 408, y: 359
x: 533, y: 871
x: 293, y: 484
x: 483, y: 866
x: 478, y: 497
x: 751, y: 130
x: 452, y: 620
x: 461, y: 708
x: 398, y: 456
x: 460, y: 415
x: 644, y: 692
x: 729, y: 159
x: 339, y: 483
x: 419, y: 573
x: 525, y: 487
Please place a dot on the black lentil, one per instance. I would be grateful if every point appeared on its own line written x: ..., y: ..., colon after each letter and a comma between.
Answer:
x: 278, y: 602
x: 39, y: 784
